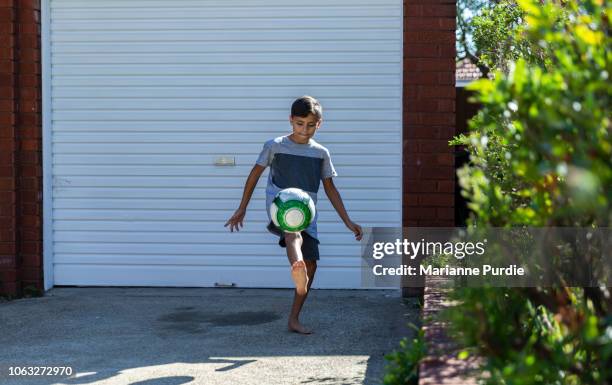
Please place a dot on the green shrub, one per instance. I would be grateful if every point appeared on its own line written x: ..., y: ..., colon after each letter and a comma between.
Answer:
x: 541, y: 155
x: 403, y: 366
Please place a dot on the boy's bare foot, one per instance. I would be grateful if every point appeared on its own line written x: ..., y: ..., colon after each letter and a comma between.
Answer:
x: 297, y: 327
x: 300, y: 278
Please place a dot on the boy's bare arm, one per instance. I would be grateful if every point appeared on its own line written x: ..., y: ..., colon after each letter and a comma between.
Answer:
x: 336, y: 201
x: 235, y: 222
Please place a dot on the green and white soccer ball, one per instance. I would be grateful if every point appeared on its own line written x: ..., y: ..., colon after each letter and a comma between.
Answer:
x: 292, y: 210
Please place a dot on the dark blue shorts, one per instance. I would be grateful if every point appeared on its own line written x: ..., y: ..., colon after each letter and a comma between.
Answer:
x: 310, y: 245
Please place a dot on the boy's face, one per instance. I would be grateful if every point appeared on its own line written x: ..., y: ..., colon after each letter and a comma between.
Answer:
x: 304, y: 128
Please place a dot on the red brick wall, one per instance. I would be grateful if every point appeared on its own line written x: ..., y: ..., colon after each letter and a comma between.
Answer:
x: 429, y: 112
x: 20, y: 147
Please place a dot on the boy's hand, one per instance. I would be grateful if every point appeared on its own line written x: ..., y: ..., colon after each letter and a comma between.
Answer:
x: 355, y: 228
x: 236, y: 220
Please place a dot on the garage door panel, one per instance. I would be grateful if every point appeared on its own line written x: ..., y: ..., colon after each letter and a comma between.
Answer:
x: 202, y: 193
x: 223, y: 57
x: 179, y: 115
x: 188, y: 148
x: 371, y: 47
x: 222, y: 138
x: 197, y: 170
x: 192, y: 237
x: 197, y: 260
x: 170, y: 92
x: 221, y: 182
x: 213, y: 69
x: 270, y: 248
x: 363, y: 160
x: 217, y: 24
x: 238, y: 125
x: 219, y: 216
x: 218, y: 138
x: 298, y: 79
x: 380, y: 204
x: 226, y: 35
x: 86, y: 103
x: 215, y: 12
x: 251, y: 225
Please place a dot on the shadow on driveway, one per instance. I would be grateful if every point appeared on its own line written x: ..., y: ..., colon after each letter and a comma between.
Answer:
x: 155, y: 336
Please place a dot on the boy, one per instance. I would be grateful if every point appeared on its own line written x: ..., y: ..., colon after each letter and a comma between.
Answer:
x: 296, y: 160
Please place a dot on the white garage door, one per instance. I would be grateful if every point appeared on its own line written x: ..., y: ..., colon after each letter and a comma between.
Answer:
x: 145, y: 95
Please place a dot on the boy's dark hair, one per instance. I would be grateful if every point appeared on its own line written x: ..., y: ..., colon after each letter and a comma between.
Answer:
x: 306, y: 105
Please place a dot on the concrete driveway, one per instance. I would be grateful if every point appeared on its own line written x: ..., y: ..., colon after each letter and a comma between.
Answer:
x: 157, y: 336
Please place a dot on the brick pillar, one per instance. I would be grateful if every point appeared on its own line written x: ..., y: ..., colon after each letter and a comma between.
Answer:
x: 429, y: 114
x: 20, y: 147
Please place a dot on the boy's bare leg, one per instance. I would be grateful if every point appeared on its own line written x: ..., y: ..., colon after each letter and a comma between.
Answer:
x: 293, y: 242
x: 298, y: 301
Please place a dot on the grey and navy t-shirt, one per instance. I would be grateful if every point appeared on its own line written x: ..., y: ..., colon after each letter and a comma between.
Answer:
x: 295, y: 165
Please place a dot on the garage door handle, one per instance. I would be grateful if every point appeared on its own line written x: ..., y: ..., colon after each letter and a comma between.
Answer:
x: 225, y: 161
